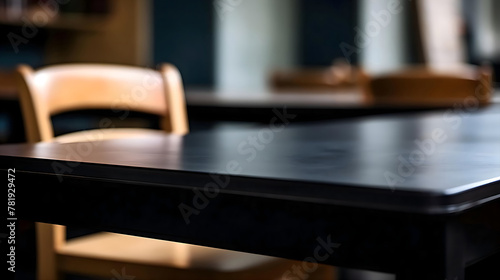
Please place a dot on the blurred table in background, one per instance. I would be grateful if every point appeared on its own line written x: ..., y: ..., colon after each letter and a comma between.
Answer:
x: 209, y: 108
x: 257, y: 106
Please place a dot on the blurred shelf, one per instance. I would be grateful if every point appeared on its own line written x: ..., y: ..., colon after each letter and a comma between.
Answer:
x: 101, y: 31
x: 67, y: 21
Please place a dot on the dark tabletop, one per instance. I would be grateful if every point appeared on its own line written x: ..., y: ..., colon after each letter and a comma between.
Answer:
x: 440, y: 162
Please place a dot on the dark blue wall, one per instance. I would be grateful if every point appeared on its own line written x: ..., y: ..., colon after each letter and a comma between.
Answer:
x: 30, y: 52
x: 324, y: 25
x: 184, y: 35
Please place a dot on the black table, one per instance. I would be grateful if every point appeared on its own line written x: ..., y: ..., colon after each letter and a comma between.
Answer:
x: 415, y: 195
x: 206, y: 105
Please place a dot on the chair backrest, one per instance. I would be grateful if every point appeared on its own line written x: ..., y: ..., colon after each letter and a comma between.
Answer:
x: 63, y: 88
x: 425, y: 86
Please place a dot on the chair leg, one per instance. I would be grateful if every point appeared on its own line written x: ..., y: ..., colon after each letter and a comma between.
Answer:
x: 49, y: 237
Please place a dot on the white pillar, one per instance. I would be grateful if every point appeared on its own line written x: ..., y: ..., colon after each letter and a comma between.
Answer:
x: 381, y: 36
x: 486, y: 31
x: 253, y: 37
x: 442, y: 38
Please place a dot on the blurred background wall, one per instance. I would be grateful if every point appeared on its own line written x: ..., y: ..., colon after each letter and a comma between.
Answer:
x: 382, y: 34
x: 184, y: 34
x: 231, y: 44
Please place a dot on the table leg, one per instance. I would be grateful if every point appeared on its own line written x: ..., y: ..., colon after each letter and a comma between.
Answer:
x: 439, y: 260
x: 486, y: 269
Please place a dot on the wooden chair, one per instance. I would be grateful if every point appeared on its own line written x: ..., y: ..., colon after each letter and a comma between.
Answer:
x: 62, y: 88
x: 468, y: 85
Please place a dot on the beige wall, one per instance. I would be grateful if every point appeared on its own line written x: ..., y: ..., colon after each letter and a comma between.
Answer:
x: 124, y: 37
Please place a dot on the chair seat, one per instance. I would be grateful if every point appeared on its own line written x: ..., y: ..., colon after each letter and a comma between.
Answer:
x: 106, y: 134
x: 132, y: 249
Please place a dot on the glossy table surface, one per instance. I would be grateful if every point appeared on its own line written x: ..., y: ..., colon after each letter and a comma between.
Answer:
x: 440, y: 162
